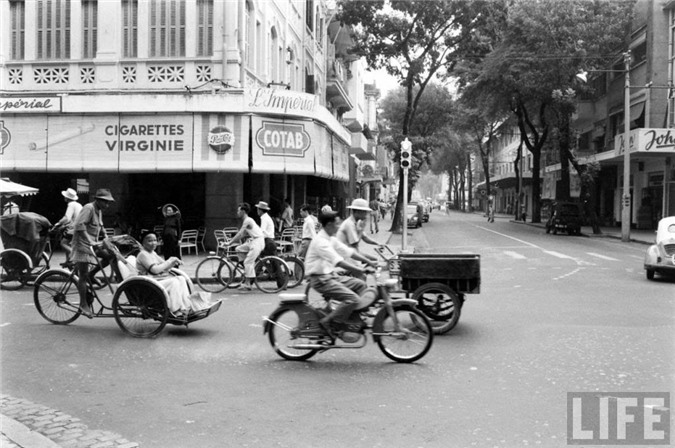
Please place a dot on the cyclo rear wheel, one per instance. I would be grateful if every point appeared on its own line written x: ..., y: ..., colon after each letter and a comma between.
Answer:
x: 412, y: 341
x: 14, y: 269
x: 140, y: 309
x: 56, y: 297
x: 271, y: 274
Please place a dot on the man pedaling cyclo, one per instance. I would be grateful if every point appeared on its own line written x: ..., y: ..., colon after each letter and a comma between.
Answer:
x: 324, y: 255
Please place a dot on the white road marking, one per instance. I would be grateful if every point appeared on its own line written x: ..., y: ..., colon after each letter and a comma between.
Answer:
x: 5, y: 324
x: 604, y: 257
x: 509, y: 236
x: 558, y: 254
x: 515, y: 255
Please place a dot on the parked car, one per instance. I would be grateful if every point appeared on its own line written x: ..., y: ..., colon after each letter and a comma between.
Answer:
x: 425, y: 208
x: 563, y: 217
x: 660, y: 257
x: 411, y: 213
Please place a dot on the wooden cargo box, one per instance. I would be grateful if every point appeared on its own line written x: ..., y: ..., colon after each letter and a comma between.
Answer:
x: 461, y: 272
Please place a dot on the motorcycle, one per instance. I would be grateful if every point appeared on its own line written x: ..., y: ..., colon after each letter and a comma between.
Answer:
x: 401, y: 331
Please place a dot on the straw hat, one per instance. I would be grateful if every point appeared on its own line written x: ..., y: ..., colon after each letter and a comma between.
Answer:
x: 360, y: 204
x: 70, y: 194
x: 104, y: 193
x: 262, y: 205
x: 326, y: 208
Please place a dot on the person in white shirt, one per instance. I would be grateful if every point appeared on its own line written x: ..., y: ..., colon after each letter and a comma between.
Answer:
x: 308, y: 230
x: 66, y: 224
x: 324, y: 255
x: 267, y: 227
x: 286, y: 216
x: 251, y: 249
x: 351, y: 231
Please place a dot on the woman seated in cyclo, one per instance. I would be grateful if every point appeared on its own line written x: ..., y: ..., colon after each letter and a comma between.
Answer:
x: 251, y: 249
x: 181, y: 299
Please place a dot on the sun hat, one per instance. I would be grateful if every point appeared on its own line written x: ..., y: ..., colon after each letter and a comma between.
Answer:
x: 326, y: 208
x: 360, y: 204
x: 262, y: 205
x: 104, y: 193
x: 70, y: 194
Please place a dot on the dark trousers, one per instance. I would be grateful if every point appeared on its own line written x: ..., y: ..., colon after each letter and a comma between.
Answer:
x: 170, y: 246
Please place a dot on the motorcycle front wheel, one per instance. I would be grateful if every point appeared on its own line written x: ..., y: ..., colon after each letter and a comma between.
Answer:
x: 412, y: 340
x: 282, y: 339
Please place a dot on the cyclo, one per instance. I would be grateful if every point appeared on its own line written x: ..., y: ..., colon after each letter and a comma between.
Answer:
x: 138, y: 304
x: 24, y: 236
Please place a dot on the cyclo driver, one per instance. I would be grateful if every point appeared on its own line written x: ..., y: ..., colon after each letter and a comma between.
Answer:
x: 325, y: 253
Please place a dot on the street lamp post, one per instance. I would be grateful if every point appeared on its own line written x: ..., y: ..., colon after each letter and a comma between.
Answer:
x: 625, y: 203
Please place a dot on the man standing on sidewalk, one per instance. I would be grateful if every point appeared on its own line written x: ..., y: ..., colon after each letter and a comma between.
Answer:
x: 374, y: 215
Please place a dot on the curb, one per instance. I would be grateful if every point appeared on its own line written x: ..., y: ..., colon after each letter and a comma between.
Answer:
x: 22, y: 436
x: 587, y: 235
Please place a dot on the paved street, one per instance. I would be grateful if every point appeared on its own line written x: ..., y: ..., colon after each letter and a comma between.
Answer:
x: 556, y: 314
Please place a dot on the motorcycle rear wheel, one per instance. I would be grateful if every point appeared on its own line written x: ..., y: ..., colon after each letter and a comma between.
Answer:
x: 412, y: 342
x: 281, y: 337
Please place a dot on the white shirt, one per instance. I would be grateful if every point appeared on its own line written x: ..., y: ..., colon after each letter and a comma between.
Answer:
x: 267, y: 225
x: 350, y: 232
x: 324, y: 253
x: 309, y: 227
x: 251, y: 229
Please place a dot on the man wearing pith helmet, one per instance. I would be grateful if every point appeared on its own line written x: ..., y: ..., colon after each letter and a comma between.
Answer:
x: 351, y: 231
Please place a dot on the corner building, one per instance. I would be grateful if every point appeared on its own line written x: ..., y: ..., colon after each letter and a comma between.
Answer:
x: 199, y: 103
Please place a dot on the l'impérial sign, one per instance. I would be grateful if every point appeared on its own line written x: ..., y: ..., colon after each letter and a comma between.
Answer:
x: 285, y: 101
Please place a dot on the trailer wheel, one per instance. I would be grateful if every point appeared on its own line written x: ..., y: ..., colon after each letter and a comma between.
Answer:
x: 439, y: 303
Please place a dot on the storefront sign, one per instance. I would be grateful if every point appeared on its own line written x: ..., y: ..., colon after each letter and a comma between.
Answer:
x: 220, y: 139
x: 283, y: 139
x: 280, y: 101
x: 648, y: 140
x: 30, y: 105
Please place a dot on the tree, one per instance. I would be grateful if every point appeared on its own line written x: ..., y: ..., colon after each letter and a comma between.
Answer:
x: 414, y: 41
x: 536, y: 49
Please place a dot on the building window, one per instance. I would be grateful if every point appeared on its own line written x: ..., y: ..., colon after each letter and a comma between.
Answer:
x: 248, y: 36
x: 309, y: 15
x: 205, y: 28
x: 17, y: 14
x: 274, y: 53
x: 167, y: 28
x: 130, y: 28
x: 53, y: 29
x: 89, y: 28
x: 259, y: 53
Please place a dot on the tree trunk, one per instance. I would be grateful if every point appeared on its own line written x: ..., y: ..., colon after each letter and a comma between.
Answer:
x: 563, y: 190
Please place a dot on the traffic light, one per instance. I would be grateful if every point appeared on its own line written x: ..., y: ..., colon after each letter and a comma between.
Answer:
x: 406, y: 153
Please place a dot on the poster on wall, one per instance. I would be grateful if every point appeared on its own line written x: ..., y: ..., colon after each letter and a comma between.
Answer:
x: 221, y: 143
x: 284, y: 146
x: 22, y: 143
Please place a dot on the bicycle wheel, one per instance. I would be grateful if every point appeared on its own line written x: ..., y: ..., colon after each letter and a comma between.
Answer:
x: 213, y: 274
x: 282, y: 338
x: 271, y: 274
x: 140, y: 308
x: 296, y: 271
x: 439, y: 303
x: 412, y: 341
x: 56, y: 297
x: 14, y: 269
x: 238, y: 274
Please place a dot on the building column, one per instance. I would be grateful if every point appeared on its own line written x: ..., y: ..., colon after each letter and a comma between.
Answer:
x: 109, y: 42
x: 224, y: 192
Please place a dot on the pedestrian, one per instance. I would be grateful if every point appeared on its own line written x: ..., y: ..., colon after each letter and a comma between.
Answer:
x: 351, y: 231
x: 309, y: 226
x: 86, y: 229
x: 286, y: 216
x: 420, y: 214
x: 249, y: 251
x: 67, y: 223
x: 374, y: 215
x: 267, y: 227
x: 171, y: 232
x: 491, y: 208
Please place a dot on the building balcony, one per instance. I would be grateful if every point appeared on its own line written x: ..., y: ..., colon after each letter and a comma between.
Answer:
x: 337, y: 95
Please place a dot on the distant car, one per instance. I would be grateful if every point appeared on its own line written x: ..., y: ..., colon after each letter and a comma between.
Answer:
x: 563, y: 217
x: 413, y: 221
x: 425, y: 213
x: 660, y: 257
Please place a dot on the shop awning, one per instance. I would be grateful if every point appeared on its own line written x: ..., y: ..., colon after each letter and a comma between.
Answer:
x: 9, y: 189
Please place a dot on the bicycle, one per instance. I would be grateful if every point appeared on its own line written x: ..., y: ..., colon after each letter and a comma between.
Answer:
x: 272, y: 273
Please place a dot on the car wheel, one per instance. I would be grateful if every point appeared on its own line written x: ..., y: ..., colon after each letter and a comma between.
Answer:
x: 650, y: 274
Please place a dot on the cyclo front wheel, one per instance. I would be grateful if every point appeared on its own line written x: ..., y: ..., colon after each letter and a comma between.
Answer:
x: 140, y: 308
x: 413, y: 338
x: 271, y: 274
x: 283, y: 338
x: 56, y: 297
x: 214, y: 274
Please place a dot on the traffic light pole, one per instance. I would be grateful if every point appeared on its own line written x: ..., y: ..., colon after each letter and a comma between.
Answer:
x: 404, y: 243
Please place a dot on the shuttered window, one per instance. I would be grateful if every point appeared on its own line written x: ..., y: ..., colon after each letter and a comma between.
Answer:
x: 167, y: 28
x: 89, y: 28
x: 205, y: 28
x: 17, y: 13
x: 130, y: 28
x: 53, y: 29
